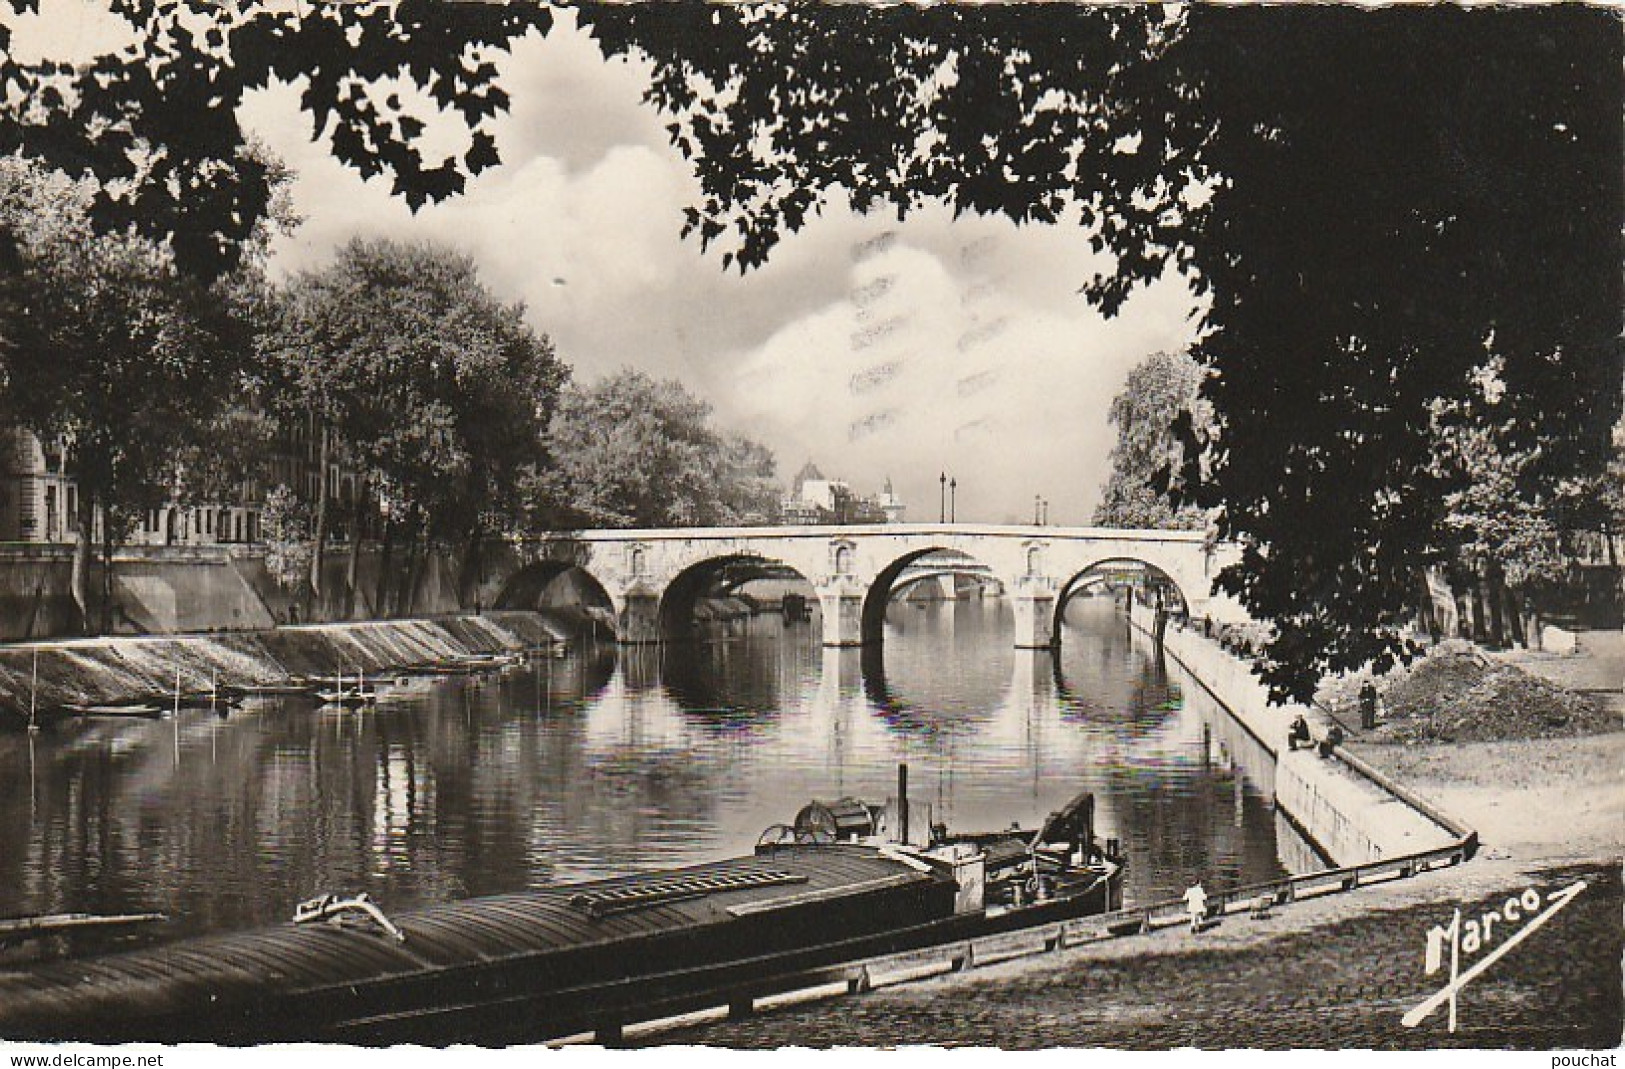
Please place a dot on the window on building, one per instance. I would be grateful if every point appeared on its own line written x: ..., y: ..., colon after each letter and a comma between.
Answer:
x: 50, y: 513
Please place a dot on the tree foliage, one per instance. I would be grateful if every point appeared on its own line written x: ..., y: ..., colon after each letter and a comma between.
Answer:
x: 1148, y: 456
x: 1376, y: 205
x: 113, y: 352
x: 286, y: 529
x: 633, y: 451
x: 155, y: 123
x: 440, y: 391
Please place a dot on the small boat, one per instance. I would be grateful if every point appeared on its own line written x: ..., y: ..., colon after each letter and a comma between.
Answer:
x: 21, y: 929
x: 285, y: 688
x: 357, y: 693
x: 443, y: 668
x: 133, y: 710
x: 468, y: 664
x: 571, y: 958
x: 213, y: 701
x: 349, y: 697
x: 486, y: 662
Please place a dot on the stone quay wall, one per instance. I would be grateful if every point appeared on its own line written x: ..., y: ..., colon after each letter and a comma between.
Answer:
x: 1351, y: 816
x: 49, y: 675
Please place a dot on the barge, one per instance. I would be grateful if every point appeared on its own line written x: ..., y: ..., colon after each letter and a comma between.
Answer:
x: 585, y: 957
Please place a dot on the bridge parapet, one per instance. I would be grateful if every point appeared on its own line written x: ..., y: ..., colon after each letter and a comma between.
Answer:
x: 852, y: 569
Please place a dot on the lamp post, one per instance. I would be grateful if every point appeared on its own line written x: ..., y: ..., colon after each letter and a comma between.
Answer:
x: 953, y: 486
x: 1043, y: 513
x: 1037, y: 503
x: 942, y: 498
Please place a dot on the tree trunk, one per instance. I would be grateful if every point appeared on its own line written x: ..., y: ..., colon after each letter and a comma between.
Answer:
x: 380, y: 606
x: 473, y: 566
x: 1511, y: 613
x: 319, y: 536
x: 1489, y: 613
x: 107, y: 572
x: 352, y: 573
x: 1427, y: 615
x: 414, y: 565
x: 80, y: 581
x: 1495, y: 595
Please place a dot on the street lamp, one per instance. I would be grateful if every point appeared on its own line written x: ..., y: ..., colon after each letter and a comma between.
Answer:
x: 1037, y: 504
x: 942, y: 498
x: 953, y: 485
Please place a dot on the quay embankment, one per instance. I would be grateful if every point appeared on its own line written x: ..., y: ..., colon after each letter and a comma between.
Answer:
x: 1334, y: 971
x: 1353, y: 813
x: 115, y: 669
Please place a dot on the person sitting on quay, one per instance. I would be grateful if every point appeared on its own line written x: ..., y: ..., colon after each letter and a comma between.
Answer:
x: 1298, y: 735
x: 1333, y: 739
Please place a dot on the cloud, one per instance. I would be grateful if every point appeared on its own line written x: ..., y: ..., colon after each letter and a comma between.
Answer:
x: 874, y: 348
x: 958, y: 354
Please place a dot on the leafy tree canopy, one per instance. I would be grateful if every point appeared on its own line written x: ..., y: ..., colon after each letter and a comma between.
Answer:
x: 439, y: 390
x: 633, y: 451
x: 1148, y: 456
x: 156, y: 125
x: 113, y: 352
x: 1377, y: 205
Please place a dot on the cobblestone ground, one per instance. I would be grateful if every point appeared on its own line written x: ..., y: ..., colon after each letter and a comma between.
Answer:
x: 1337, y: 972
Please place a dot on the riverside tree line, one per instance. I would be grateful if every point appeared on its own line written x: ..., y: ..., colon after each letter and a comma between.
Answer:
x: 458, y: 420
x: 1404, y: 224
x: 1514, y: 558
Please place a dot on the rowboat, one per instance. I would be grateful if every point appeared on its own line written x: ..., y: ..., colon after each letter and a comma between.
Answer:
x: 468, y: 664
x: 346, y: 696
x: 289, y: 688
x: 573, y: 958
x: 134, y: 710
x: 350, y: 693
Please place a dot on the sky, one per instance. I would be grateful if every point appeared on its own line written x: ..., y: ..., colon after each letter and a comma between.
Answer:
x: 874, y: 349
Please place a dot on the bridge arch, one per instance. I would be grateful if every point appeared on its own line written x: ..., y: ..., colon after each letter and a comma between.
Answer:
x: 718, y: 575
x: 557, y: 584
x: 1132, y: 571
x: 881, y: 589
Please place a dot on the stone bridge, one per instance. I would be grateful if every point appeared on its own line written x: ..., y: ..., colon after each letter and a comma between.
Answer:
x: 649, y: 580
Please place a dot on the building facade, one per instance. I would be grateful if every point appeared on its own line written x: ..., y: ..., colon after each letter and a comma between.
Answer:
x: 816, y: 500
x: 39, y: 500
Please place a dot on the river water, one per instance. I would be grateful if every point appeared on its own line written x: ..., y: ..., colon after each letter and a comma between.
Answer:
x: 611, y: 761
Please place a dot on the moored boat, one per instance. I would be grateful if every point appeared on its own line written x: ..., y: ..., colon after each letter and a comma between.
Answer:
x: 350, y: 693
x: 576, y: 957
x: 129, y: 710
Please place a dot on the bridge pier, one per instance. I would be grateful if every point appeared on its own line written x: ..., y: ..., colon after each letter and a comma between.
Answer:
x: 1034, y: 608
x: 841, y: 608
x: 639, y: 618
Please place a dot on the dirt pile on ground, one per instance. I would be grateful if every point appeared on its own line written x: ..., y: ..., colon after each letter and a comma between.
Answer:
x: 1455, y: 694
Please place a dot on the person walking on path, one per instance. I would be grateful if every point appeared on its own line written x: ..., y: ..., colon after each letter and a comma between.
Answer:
x: 1196, y: 903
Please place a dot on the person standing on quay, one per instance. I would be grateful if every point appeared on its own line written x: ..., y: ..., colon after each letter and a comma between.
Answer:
x: 1196, y: 903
